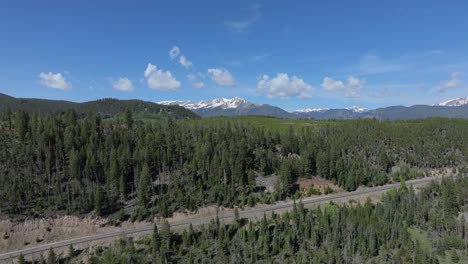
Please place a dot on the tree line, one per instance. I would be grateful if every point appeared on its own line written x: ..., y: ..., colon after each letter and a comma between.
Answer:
x: 76, y: 164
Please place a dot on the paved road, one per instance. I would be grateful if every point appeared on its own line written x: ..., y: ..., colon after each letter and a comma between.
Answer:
x: 249, y: 213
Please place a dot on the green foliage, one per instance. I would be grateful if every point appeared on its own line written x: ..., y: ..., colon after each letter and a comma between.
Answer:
x: 98, y: 201
x: 52, y: 257
x: 21, y: 259
x: 367, y: 233
x: 71, y: 251
x: 75, y: 163
x: 454, y: 256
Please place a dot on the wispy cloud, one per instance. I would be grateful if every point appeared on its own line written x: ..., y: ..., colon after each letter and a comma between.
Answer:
x: 185, y: 62
x: 175, y: 53
x: 260, y: 57
x: 352, y: 88
x: 242, y: 25
x: 383, y: 92
x: 195, y: 80
x: 222, y: 77
x: 454, y: 82
x: 372, y: 64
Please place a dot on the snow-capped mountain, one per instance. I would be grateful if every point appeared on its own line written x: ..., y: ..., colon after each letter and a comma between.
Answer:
x: 454, y: 102
x: 229, y: 107
x: 332, y: 113
x: 238, y: 106
x: 355, y: 109
x: 223, y: 103
x: 309, y: 110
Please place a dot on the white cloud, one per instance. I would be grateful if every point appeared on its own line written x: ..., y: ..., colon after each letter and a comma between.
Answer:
x: 222, y: 77
x: 354, y: 87
x: 332, y: 85
x: 184, y: 62
x: 160, y: 80
x: 284, y: 87
x: 56, y: 81
x: 454, y: 82
x: 174, y: 52
x: 195, y: 80
x: 123, y: 84
x: 199, y: 85
x: 242, y: 25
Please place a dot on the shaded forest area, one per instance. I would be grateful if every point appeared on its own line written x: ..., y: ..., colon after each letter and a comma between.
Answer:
x: 74, y: 164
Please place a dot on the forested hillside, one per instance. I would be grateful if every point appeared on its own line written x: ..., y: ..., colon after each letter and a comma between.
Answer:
x: 65, y: 164
x: 405, y: 227
x: 105, y: 107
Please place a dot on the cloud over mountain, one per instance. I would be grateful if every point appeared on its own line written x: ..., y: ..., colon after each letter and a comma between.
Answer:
x: 284, y: 87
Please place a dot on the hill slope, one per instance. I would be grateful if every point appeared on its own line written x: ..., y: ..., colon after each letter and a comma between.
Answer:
x: 106, y: 107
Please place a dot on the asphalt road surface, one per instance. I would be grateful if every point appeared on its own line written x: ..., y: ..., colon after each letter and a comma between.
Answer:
x: 227, y: 217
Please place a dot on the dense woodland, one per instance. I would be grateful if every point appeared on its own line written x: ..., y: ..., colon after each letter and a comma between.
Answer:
x: 78, y: 164
x: 404, y: 227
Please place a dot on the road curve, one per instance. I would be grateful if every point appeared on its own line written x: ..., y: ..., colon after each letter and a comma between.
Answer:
x: 248, y: 213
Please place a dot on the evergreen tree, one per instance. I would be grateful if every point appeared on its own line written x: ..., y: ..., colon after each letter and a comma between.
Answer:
x: 98, y: 199
x: 52, y: 257
x: 21, y: 259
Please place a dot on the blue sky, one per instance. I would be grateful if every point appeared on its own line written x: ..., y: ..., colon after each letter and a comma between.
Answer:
x: 293, y: 54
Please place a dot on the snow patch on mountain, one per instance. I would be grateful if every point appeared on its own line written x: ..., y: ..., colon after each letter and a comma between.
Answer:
x: 454, y: 102
x: 310, y: 110
x: 224, y: 103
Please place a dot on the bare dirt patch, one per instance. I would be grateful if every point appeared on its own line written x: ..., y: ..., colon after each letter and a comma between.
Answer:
x: 267, y: 182
x: 21, y: 234
x: 317, y: 183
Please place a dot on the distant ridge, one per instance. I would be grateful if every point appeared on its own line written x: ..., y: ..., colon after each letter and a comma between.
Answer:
x: 230, y: 107
x: 106, y: 107
x: 455, y: 108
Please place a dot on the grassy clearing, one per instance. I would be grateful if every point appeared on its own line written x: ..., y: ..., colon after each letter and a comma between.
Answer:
x: 278, y: 124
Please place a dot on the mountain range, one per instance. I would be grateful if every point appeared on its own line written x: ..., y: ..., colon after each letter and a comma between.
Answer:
x: 456, y: 108
x: 230, y: 107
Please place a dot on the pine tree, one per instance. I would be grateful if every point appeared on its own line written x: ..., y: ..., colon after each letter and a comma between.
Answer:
x: 52, y: 257
x: 155, y: 241
x: 165, y: 235
x: 144, y: 187
x: 21, y: 259
x: 98, y: 201
x: 71, y: 251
